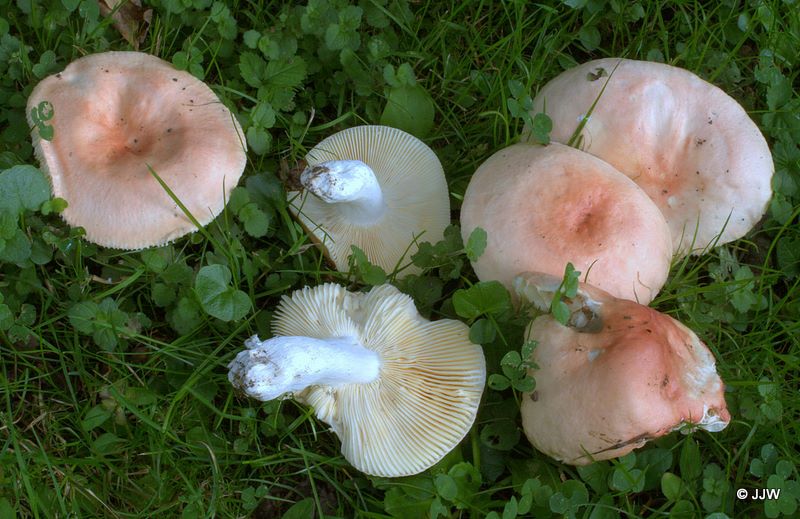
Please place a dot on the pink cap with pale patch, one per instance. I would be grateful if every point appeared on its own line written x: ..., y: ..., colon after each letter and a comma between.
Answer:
x: 619, y: 374
x: 115, y: 114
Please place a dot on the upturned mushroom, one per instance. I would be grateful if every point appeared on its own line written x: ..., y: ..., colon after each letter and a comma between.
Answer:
x: 399, y: 391
x: 375, y: 187
x: 545, y: 206
x: 689, y: 145
x: 114, y: 116
x: 618, y: 375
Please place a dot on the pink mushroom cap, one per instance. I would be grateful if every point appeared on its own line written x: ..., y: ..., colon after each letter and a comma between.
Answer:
x: 690, y: 146
x: 545, y: 206
x: 115, y: 114
x: 618, y: 375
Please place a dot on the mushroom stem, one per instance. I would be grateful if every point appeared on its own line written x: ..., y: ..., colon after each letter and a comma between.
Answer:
x: 283, y: 365
x: 350, y: 183
x: 585, y: 313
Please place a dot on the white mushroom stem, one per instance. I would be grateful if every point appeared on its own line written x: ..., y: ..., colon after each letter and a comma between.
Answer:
x: 585, y: 313
x: 351, y: 184
x: 284, y: 365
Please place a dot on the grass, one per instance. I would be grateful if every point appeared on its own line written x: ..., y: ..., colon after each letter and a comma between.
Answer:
x: 114, y: 400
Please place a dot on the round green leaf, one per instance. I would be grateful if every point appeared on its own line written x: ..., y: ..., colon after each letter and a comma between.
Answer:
x: 488, y: 297
x: 23, y: 187
x: 498, y: 382
x: 671, y: 486
x: 217, y: 297
x: 256, y: 221
x: 482, y: 331
x: 409, y: 108
x: 476, y: 243
x: 627, y: 480
x: 446, y: 487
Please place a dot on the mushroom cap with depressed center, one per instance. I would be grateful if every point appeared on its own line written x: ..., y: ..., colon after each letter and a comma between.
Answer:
x: 412, y: 181
x: 545, y: 206
x: 430, y: 384
x: 619, y: 374
x: 115, y: 114
x: 689, y: 145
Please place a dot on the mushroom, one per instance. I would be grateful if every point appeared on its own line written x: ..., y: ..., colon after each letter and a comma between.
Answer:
x: 545, y: 206
x: 690, y: 146
x: 114, y: 116
x: 398, y: 390
x: 375, y: 187
x: 618, y: 375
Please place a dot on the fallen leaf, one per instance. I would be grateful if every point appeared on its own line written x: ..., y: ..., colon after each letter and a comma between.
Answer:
x: 129, y: 18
